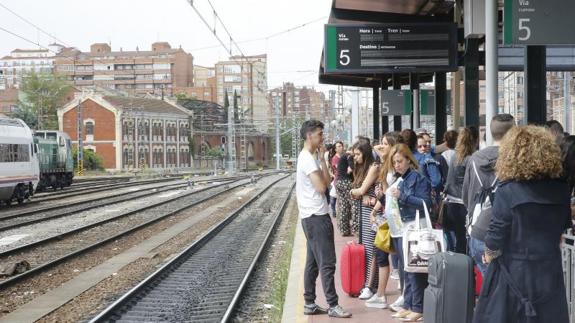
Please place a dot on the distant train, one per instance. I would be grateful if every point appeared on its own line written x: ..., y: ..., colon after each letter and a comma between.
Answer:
x: 19, y: 170
x: 55, y: 159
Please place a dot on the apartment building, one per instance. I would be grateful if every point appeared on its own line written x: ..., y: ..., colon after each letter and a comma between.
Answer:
x: 21, y: 61
x: 247, y: 77
x: 156, y: 71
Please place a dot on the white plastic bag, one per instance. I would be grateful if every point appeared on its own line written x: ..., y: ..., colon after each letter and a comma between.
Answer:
x: 392, y: 211
x: 419, y: 244
x: 332, y: 191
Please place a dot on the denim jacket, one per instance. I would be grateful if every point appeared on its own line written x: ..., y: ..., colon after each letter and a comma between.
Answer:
x: 414, y: 189
x: 430, y: 168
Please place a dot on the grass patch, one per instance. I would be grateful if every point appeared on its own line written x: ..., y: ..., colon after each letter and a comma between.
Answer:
x: 281, y: 271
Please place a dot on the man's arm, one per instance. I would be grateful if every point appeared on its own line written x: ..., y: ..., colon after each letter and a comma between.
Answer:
x: 320, y: 178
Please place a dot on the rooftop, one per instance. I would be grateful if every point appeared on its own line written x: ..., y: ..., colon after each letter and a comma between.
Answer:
x: 144, y: 104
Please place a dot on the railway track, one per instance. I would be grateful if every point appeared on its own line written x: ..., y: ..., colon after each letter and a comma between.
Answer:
x: 41, y: 197
x: 47, y: 253
x: 21, y: 219
x: 205, y: 281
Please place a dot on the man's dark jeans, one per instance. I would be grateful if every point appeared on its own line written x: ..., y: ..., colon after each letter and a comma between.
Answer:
x: 320, y: 258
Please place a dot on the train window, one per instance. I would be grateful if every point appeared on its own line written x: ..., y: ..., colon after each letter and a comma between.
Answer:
x: 14, y: 153
x: 5, y: 156
x: 51, y: 135
x: 61, y: 142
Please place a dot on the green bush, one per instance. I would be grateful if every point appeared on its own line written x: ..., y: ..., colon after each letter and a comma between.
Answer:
x: 91, y: 160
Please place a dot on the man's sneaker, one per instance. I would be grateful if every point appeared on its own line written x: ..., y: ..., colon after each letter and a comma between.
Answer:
x: 397, y: 305
x: 337, y: 311
x: 377, y: 302
x: 394, y: 274
x: 313, y: 309
x: 365, y: 294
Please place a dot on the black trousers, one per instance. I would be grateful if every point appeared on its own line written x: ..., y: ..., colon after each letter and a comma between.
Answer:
x: 320, y: 258
x: 455, y: 221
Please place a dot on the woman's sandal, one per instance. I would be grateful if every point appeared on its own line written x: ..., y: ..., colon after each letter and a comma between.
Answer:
x: 401, y: 314
x: 413, y: 317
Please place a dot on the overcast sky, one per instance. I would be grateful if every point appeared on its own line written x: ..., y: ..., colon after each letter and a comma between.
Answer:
x: 131, y: 23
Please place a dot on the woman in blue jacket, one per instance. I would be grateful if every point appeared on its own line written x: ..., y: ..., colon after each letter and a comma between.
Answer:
x: 412, y: 192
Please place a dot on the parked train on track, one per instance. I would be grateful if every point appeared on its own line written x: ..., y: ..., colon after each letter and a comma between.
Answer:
x: 55, y: 159
x: 32, y: 161
x: 19, y: 170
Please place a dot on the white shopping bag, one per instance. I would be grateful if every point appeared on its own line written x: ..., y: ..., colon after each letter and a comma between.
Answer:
x: 419, y: 244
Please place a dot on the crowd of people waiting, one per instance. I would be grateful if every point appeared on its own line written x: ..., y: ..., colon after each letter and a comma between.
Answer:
x: 528, y: 173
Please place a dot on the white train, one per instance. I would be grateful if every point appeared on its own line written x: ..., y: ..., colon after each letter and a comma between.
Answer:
x: 19, y: 171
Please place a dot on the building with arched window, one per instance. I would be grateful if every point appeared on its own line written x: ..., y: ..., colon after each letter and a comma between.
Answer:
x: 131, y: 133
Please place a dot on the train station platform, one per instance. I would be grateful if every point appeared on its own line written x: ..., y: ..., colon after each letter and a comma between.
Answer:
x: 294, y: 302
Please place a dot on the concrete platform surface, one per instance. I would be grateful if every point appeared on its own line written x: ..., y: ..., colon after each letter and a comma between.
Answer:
x: 294, y: 302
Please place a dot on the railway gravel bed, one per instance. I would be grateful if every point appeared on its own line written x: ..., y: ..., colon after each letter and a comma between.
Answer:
x: 92, y: 301
x: 263, y: 298
x: 188, y: 288
x: 23, y: 292
x: 88, y: 207
x: 77, y: 219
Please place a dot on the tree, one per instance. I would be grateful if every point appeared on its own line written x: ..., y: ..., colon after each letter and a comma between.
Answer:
x: 92, y: 161
x: 215, y: 152
x: 181, y: 96
x: 226, y: 105
x: 42, y: 94
x: 236, y: 114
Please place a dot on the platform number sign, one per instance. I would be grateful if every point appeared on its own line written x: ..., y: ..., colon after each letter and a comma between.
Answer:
x: 373, y: 48
x: 536, y: 22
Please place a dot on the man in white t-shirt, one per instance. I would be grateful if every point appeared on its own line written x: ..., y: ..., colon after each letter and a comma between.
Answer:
x: 311, y: 182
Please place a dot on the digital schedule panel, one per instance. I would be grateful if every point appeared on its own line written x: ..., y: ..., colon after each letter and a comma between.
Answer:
x: 389, y: 48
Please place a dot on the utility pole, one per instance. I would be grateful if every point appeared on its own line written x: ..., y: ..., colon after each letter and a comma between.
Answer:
x: 80, y: 155
x: 491, y: 66
x: 278, y: 148
x: 231, y: 141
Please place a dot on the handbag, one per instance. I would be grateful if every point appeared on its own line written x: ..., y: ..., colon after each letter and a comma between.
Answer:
x: 383, y: 238
x: 332, y: 190
x: 419, y: 244
x: 442, y: 212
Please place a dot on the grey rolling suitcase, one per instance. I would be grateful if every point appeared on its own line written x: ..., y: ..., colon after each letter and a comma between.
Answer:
x: 450, y: 295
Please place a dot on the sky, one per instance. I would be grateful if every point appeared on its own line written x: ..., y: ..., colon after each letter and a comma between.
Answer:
x: 292, y: 57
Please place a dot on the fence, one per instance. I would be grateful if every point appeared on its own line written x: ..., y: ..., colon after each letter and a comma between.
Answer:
x: 568, y: 250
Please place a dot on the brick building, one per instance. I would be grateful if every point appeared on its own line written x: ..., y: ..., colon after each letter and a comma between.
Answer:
x: 157, y: 71
x: 209, y: 129
x: 130, y: 132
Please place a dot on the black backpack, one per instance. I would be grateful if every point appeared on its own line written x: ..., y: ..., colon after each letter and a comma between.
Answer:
x: 481, y: 213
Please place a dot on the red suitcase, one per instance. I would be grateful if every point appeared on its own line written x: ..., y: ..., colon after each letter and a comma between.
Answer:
x: 352, y: 268
x: 478, y: 280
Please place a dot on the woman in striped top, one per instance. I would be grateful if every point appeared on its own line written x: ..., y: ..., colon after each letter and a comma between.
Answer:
x: 365, y: 175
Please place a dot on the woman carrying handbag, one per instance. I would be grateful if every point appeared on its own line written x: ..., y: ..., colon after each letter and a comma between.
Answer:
x: 412, y: 192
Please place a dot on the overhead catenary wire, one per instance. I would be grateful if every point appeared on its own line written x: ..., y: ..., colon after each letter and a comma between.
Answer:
x: 269, y: 36
x: 33, y: 25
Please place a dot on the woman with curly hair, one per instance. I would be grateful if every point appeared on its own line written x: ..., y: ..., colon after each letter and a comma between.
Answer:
x: 524, y: 281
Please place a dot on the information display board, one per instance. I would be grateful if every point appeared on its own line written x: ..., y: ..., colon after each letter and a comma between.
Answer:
x: 530, y: 22
x: 389, y: 48
x: 396, y: 102
x: 399, y: 102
